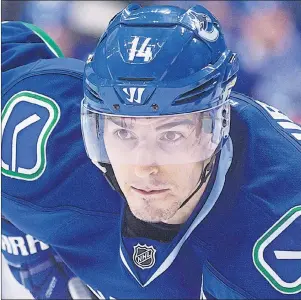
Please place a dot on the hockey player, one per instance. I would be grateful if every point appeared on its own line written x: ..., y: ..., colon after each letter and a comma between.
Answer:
x: 196, y: 206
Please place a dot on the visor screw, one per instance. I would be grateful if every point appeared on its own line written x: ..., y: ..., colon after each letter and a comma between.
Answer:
x: 224, y: 113
x: 155, y: 106
x: 116, y: 106
x: 224, y: 123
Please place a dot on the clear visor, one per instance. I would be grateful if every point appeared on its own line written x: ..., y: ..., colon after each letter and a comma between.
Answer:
x: 164, y: 140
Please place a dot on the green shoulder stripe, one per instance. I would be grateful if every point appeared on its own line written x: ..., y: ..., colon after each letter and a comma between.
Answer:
x: 54, y: 48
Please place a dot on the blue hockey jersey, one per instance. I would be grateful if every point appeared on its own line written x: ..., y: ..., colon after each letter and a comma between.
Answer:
x: 244, y: 243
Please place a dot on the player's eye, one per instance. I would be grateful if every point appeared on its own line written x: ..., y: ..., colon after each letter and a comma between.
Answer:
x: 171, y: 136
x: 124, y: 134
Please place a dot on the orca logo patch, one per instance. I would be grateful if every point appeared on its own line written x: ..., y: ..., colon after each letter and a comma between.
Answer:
x: 277, y: 253
x: 28, y: 119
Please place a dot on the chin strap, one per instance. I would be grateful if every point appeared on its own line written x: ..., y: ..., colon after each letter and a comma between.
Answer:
x: 203, y: 178
x: 109, y: 175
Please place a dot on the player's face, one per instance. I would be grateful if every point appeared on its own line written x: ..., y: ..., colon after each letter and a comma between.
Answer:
x: 156, y: 161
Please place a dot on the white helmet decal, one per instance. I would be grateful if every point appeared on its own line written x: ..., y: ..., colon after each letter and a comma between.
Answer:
x: 201, y: 22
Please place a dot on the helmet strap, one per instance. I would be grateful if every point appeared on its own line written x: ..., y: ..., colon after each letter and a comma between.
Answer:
x: 108, y: 173
x: 203, y: 178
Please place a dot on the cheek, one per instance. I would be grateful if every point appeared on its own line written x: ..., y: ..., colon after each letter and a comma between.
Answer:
x: 190, y: 176
x: 196, y: 170
x: 184, y: 177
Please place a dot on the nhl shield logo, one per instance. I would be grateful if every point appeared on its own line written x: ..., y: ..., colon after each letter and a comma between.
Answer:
x: 144, y: 256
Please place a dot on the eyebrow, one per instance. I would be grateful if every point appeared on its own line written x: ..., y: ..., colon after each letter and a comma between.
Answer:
x: 121, y: 123
x: 175, y: 123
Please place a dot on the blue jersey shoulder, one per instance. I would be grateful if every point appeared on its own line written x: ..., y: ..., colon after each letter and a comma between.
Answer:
x: 267, y: 152
x: 256, y: 221
x: 260, y: 115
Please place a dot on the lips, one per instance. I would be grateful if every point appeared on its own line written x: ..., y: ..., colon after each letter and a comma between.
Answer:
x: 145, y: 192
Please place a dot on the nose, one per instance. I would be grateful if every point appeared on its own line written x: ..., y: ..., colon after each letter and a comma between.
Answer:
x: 143, y: 171
x: 146, y: 161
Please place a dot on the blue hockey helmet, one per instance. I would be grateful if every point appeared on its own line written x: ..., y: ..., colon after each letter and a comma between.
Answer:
x: 152, y: 66
x: 159, y: 60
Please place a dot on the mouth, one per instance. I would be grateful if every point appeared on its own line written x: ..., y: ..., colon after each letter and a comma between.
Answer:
x: 149, y: 191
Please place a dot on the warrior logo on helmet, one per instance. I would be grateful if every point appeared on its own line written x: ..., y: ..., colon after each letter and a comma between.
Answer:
x: 131, y: 92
